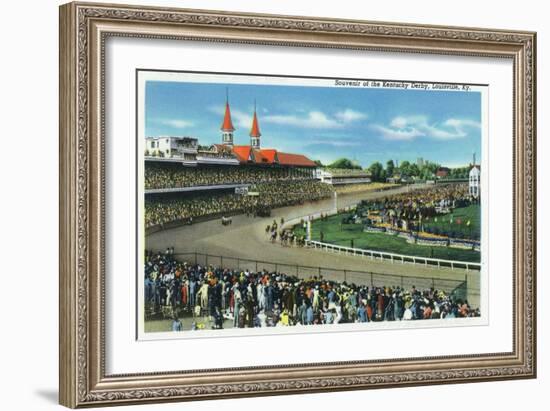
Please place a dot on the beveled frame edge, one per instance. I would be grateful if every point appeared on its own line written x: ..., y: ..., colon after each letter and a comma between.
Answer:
x: 83, y: 27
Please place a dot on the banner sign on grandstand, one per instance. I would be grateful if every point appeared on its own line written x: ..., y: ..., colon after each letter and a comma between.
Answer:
x: 241, y: 190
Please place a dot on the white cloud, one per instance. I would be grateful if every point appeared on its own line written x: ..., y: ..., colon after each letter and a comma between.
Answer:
x: 313, y: 119
x: 217, y: 110
x: 317, y: 119
x: 411, y: 127
x: 348, y: 115
x: 299, y: 118
x: 175, y: 123
x: 335, y: 143
x: 240, y: 118
x: 402, y: 133
x: 459, y: 125
x: 404, y: 122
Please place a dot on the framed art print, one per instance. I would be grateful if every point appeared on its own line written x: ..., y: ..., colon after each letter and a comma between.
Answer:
x: 256, y: 204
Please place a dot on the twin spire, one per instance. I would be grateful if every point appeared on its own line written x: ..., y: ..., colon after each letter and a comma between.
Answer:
x: 227, y: 128
x: 255, y: 130
x: 227, y: 123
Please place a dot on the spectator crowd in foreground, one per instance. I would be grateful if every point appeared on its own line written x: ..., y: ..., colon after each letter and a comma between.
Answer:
x: 218, y: 295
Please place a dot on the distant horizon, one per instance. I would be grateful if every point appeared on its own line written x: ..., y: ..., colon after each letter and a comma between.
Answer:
x: 324, y: 123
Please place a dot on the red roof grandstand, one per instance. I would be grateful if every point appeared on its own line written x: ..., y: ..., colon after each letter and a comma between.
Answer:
x: 289, y: 159
x: 258, y: 157
x: 249, y: 154
x: 270, y: 154
x: 242, y: 153
x: 246, y: 154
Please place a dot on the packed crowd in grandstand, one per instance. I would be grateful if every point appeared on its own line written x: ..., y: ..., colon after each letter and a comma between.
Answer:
x: 347, y: 172
x: 269, y: 195
x: 266, y: 299
x: 174, y: 175
x: 363, y: 187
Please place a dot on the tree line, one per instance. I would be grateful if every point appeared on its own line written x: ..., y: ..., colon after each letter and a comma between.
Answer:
x: 426, y: 171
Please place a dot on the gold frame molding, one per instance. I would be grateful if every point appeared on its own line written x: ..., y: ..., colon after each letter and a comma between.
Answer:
x: 84, y: 27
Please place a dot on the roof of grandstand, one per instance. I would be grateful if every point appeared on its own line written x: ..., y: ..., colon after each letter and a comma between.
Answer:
x: 289, y: 159
x: 345, y: 172
x: 247, y: 154
x: 236, y: 154
x: 269, y: 154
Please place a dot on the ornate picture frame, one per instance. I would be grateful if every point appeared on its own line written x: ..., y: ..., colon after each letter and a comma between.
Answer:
x: 84, y: 30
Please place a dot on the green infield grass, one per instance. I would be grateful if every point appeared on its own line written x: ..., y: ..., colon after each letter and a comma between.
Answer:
x: 459, y: 227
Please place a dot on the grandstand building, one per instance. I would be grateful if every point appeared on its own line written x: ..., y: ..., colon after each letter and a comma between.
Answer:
x: 253, y: 154
x: 340, y: 176
x: 186, y: 182
x: 188, y: 151
x: 181, y: 148
x: 188, y: 166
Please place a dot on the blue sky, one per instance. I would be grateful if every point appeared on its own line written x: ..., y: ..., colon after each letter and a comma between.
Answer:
x: 326, y: 123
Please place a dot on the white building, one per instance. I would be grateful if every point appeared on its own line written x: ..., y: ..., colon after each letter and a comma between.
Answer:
x: 335, y: 176
x: 474, y: 183
x: 171, y: 147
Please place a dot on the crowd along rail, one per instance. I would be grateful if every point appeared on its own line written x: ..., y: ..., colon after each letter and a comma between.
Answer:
x: 367, y: 277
